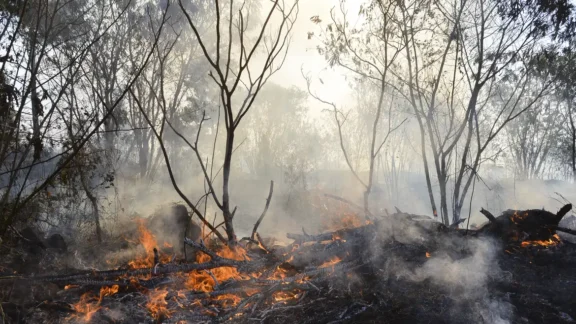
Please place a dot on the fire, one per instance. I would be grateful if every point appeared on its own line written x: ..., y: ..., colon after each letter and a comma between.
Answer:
x: 157, y: 304
x: 89, y: 304
x: 334, y: 260
x: 108, y: 291
x: 554, y: 240
x: 279, y: 273
x: 347, y: 220
x: 229, y: 300
x: 157, y: 299
x: 517, y: 217
x: 203, y: 280
x: 148, y: 241
x: 428, y: 254
x: 284, y: 296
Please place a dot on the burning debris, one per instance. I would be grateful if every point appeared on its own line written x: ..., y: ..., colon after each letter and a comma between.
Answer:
x: 401, y: 267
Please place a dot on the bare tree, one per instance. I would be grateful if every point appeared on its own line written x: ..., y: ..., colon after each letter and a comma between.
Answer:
x: 455, y: 64
x: 58, y: 38
x: 532, y: 136
x: 370, y: 53
x: 235, y: 64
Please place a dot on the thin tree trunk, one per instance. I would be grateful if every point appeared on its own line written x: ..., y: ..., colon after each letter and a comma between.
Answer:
x: 36, y: 104
x: 573, y: 128
x: 95, y: 210
x: 228, y: 215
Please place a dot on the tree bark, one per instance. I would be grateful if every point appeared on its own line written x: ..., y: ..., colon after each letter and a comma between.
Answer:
x: 228, y: 215
x: 95, y: 210
x: 573, y: 129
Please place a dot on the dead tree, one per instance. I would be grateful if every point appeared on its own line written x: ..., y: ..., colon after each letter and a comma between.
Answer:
x: 60, y: 55
x: 370, y: 54
x: 233, y: 66
x: 455, y: 91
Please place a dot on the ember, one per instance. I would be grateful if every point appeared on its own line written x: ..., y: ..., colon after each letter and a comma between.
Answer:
x: 553, y: 241
x: 330, y: 263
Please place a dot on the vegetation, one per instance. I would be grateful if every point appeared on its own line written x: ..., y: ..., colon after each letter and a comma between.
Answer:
x: 101, y: 101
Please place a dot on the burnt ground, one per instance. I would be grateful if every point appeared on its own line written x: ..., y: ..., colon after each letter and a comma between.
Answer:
x: 396, y: 270
x: 537, y: 286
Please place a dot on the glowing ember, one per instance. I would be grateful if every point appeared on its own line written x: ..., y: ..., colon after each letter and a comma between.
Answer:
x: 284, y: 296
x: 517, y: 217
x: 330, y: 263
x: 554, y: 240
x: 229, y: 300
x: 279, y: 273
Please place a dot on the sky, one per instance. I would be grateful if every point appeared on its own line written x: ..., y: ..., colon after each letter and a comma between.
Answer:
x: 303, y: 56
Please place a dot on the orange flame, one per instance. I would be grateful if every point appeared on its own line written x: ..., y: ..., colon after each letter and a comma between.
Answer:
x: 428, y: 254
x: 284, y: 296
x: 88, y: 304
x: 148, y: 241
x: 554, y: 240
x: 334, y: 260
x: 203, y: 281
x: 517, y: 217
x: 108, y: 291
x: 157, y: 304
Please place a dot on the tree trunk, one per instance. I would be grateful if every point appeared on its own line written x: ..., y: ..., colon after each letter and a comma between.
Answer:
x: 573, y: 128
x: 36, y: 105
x: 94, y: 201
x: 225, y: 186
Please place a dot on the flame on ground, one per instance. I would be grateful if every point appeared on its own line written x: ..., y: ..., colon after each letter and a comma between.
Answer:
x: 553, y: 241
x: 148, y: 241
x: 428, y: 254
x: 204, y: 280
x: 331, y: 262
x: 157, y: 304
x: 285, y: 296
x: 86, y: 307
x: 90, y: 304
x: 108, y: 291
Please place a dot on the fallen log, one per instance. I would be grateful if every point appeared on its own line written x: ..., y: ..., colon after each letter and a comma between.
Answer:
x: 524, y: 225
x: 243, y: 266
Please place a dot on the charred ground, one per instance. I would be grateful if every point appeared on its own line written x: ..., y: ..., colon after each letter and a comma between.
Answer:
x: 399, y: 268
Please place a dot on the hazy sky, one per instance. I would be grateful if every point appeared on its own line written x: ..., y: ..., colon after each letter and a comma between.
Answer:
x: 303, y: 54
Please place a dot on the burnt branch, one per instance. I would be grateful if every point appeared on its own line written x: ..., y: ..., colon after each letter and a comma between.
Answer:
x: 264, y: 212
x: 563, y: 211
x: 488, y: 215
